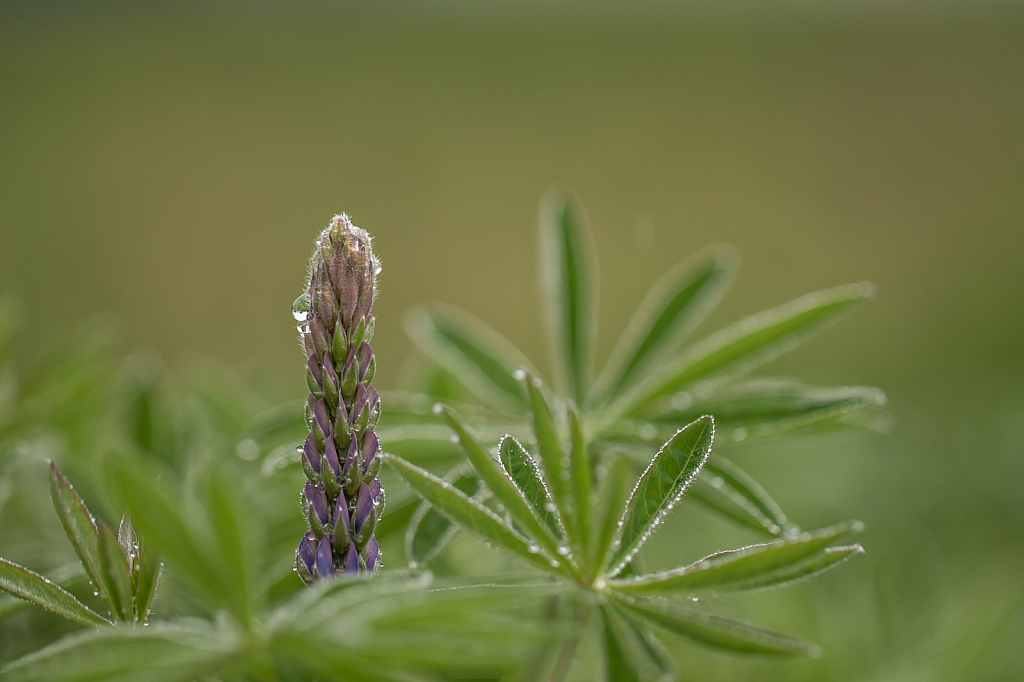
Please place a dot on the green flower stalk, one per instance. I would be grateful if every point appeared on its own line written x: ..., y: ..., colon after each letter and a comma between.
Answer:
x: 343, y: 498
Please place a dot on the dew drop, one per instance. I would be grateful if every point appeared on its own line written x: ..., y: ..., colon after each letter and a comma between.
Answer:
x: 533, y: 549
x: 694, y: 599
x: 453, y: 438
x: 550, y: 507
x: 600, y: 584
x: 301, y: 307
x: 519, y: 375
x: 563, y: 550
x: 554, y: 563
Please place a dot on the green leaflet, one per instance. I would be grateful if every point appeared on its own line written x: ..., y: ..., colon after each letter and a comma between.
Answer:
x: 150, y: 568
x: 233, y: 541
x: 466, y: 512
x: 429, y: 530
x: 554, y: 463
x: 667, y: 315
x: 763, y: 407
x: 116, y: 573
x: 608, y: 509
x: 187, y: 547
x: 25, y: 584
x: 581, y: 472
x: 569, y: 290
x: 522, y: 469
x: 482, y: 359
x: 750, y: 567
x: 746, y: 344
x: 498, y: 481
x: 661, y: 486
x: 81, y: 531
x: 718, y: 632
x: 634, y: 648
x: 731, y: 491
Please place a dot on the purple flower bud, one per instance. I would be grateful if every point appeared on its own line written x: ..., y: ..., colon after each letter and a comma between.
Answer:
x: 370, y: 448
x: 319, y: 511
x: 353, y: 468
x: 365, y: 355
x: 321, y: 422
x: 305, y: 497
x: 332, y: 471
x: 342, y: 430
x: 310, y: 404
x: 365, y: 517
x: 324, y: 558
x: 352, y: 560
x: 372, y: 554
x: 305, y: 557
x: 372, y: 407
x: 313, y: 379
x: 349, y: 374
x: 375, y: 490
x: 358, y: 403
x: 311, y: 457
x: 329, y: 373
x: 342, y: 523
x: 321, y: 340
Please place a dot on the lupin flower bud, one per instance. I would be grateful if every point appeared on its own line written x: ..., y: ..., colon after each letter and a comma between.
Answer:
x: 343, y: 498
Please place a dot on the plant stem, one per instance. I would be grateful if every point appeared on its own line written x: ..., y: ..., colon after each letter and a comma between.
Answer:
x: 568, y: 651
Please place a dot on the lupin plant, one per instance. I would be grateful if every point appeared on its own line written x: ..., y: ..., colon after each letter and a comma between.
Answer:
x: 343, y: 498
x: 123, y: 572
x: 576, y: 510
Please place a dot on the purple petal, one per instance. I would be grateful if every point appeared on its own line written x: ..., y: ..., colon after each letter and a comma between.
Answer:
x: 372, y: 553
x: 312, y: 453
x: 307, y: 550
x: 349, y: 360
x: 331, y: 456
x: 320, y: 338
x: 320, y: 505
x: 375, y: 489
x: 371, y: 446
x: 352, y: 560
x: 358, y: 403
x: 364, y: 507
x: 322, y: 417
x: 314, y: 368
x: 365, y: 353
x: 324, y: 558
x: 352, y: 456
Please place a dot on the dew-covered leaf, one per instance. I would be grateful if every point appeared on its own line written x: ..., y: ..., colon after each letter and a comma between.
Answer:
x: 553, y: 460
x: 661, y: 486
x: 764, y: 407
x: 523, y: 470
x: 569, y: 290
x: 81, y: 530
x: 429, y: 530
x: 471, y: 515
x: 635, y: 651
x: 158, y: 518
x: 725, y: 488
x: 116, y: 573
x: 757, y: 566
x: 30, y: 586
x: 719, y: 632
x: 669, y: 312
x: 501, y: 485
x: 611, y: 500
x: 483, y: 360
x: 161, y: 652
x: 150, y: 568
x: 745, y: 345
x: 582, y: 474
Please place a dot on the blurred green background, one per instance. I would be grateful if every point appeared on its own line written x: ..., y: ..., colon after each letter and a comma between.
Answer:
x: 171, y: 164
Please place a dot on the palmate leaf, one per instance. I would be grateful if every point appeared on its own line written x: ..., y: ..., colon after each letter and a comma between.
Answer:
x: 660, y: 487
x: 161, y: 652
x: 471, y: 515
x: 25, y: 584
x: 752, y: 567
x: 763, y: 407
x: 728, y: 490
x: 555, y: 465
x: 716, y: 631
x: 569, y: 290
x: 667, y: 315
x: 483, y: 360
x: 116, y: 573
x: 498, y: 481
x: 741, y: 347
x: 631, y: 649
x: 81, y: 530
x: 523, y: 470
x: 429, y: 530
x: 611, y: 500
